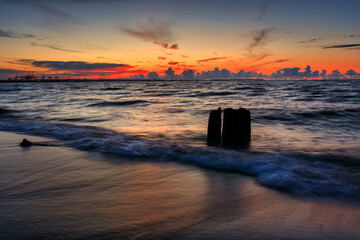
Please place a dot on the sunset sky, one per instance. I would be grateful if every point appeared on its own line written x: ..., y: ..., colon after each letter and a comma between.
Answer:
x: 274, y: 39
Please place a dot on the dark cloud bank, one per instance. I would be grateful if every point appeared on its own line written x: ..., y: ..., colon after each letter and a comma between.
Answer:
x: 282, y: 74
x: 75, y: 65
x: 85, y: 69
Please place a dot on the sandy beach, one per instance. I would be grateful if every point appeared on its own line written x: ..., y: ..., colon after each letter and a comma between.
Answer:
x: 62, y: 193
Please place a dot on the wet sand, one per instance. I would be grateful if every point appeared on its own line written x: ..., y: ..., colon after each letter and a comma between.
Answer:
x: 49, y: 192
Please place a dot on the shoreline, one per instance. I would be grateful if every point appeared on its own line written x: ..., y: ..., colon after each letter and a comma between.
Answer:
x: 64, y: 193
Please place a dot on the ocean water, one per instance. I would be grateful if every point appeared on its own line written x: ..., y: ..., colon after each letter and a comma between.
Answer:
x: 305, y: 134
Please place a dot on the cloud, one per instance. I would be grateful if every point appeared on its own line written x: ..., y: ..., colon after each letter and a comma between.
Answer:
x: 173, y: 63
x: 14, y: 35
x: 184, y: 56
x: 295, y: 73
x: 268, y: 63
x: 113, y: 70
x: 349, y: 46
x: 55, y: 47
x: 75, y: 65
x: 188, y: 74
x: 351, y: 73
x: 264, y: 8
x: 78, y: 69
x: 55, y: 19
x: 211, y: 59
x: 255, y: 50
x: 157, y: 32
x: 258, y: 55
x: 153, y: 76
x: 216, y: 74
x: 312, y: 40
x: 170, y: 73
x: 336, y: 75
x: 260, y: 37
x: 162, y: 58
x: 21, y: 61
x: 352, y: 36
x: 8, y: 71
x: 173, y: 46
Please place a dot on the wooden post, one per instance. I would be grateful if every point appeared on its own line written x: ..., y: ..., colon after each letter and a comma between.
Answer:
x: 236, y: 127
x: 214, y: 128
x: 229, y: 132
x: 244, y: 126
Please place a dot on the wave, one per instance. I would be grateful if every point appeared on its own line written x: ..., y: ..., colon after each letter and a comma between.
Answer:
x: 205, y: 94
x: 278, y: 117
x: 111, y: 89
x: 4, y: 90
x: 243, y: 88
x: 329, y: 113
x: 300, y: 117
x: 118, y: 103
x: 72, y: 119
x: 303, y: 175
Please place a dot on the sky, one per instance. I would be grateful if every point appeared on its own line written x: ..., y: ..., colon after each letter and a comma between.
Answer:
x: 181, y: 39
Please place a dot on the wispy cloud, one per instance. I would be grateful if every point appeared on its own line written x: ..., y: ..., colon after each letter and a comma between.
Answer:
x: 312, y: 40
x: 264, y: 8
x: 157, y: 32
x: 260, y: 37
x: 211, y: 59
x: 256, y: 50
x: 8, y: 71
x: 257, y: 56
x: 22, y: 62
x: 55, y: 47
x: 55, y: 19
x: 348, y: 46
x: 268, y: 63
x: 14, y: 35
x: 173, y: 63
x: 352, y: 36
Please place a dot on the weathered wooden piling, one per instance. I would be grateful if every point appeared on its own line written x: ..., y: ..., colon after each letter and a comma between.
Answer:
x: 236, y: 127
x: 244, y: 126
x: 214, y: 128
x: 228, y: 137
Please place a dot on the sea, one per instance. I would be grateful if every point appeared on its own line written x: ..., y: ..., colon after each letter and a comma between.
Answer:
x: 305, y: 138
x: 305, y: 134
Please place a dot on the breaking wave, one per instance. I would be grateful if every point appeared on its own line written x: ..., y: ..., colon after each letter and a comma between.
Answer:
x: 300, y: 174
x: 119, y: 103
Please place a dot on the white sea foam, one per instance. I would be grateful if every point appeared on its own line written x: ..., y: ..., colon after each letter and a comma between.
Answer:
x: 305, y: 175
